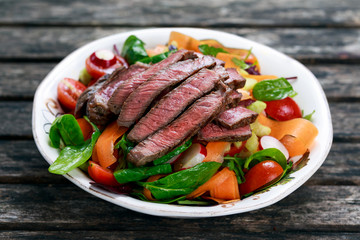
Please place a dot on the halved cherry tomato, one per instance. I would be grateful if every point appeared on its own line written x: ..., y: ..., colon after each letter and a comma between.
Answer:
x: 261, y: 175
x: 69, y: 91
x: 234, y: 150
x: 101, y: 175
x: 283, y: 110
x: 97, y: 71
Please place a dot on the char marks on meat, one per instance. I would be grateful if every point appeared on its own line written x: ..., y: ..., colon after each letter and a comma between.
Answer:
x: 236, y: 117
x: 235, y: 80
x: 127, y: 87
x: 98, y: 105
x: 140, y: 99
x: 213, y: 133
x: 173, y: 103
x: 83, y: 99
x: 184, y: 127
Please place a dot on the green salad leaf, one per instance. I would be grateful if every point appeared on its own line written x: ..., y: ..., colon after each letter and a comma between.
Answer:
x: 157, y: 58
x: 65, y: 131
x: 72, y: 157
x: 182, y: 182
x: 209, y: 50
x: 173, y: 153
x: 267, y: 154
x: 241, y: 63
x: 139, y: 173
x: 133, y: 50
x: 275, y: 89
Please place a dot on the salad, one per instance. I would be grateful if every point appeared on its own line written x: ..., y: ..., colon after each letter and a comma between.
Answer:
x: 243, y: 134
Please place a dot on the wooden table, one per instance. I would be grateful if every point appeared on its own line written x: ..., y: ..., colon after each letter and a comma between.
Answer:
x: 36, y: 35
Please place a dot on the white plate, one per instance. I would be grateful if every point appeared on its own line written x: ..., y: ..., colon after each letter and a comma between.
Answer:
x: 310, y: 96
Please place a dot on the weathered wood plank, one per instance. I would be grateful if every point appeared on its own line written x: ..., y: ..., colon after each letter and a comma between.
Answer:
x: 16, y: 119
x: 182, y: 13
x: 20, y: 80
x: 21, y: 162
x: 320, y: 44
x: 54, y: 207
x: 181, y: 235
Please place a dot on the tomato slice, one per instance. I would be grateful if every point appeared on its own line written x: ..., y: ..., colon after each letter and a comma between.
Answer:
x: 102, y: 175
x: 68, y: 92
x: 283, y: 110
x: 261, y: 175
x: 234, y: 150
x: 97, y: 71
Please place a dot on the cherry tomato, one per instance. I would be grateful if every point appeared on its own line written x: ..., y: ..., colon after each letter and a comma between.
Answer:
x: 98, y: 67
x: 261, y: 175
x: 234, y: 150
x: 102, y: 175
x: 69, y: 91
x: 283, y: 110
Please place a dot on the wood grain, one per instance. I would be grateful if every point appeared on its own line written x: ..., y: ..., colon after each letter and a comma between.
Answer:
x: 310, y: 208
x: 307, y: 45
x: 22, y: 162
x: 181, y: 235
x: 19, y: 80
x: 205, y: 13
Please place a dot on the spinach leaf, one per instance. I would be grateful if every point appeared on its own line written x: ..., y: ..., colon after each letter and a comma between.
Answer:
x: 173, y: 153
x: 125, y: 145
x: 139, y: 173
x: 209, y: 50
x: 276, y: 89
x: 182, y: 182
x: 266, y: 154
x: 133, y: 49
x: 65, y: 131
x: 236, y: 164
x: 72, y: 157
x: 156, y: 58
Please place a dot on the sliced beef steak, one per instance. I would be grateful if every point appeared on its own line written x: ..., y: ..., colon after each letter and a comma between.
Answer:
x: 139, y: 100
x: 234, y: 99
x: 173, y: 103
x: 127, y: 87
x: 98, y: 105
x: 181, y: 129
x: 83, y: 99
x: 214, y: 133
x: 236, y: 117
x: 235, y: 80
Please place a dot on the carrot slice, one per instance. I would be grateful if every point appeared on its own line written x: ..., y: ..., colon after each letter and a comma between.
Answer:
x: 105, y: 144
x: 294, y: 145
x: 215, y: 151
x: 228, y: 59
x: 184, y: 41
x: 146, y: 191
x: 85, y: 127
x: 303, y: 130
x: 228, y: 190
x: 260, y: 78
x: 215, y: 180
